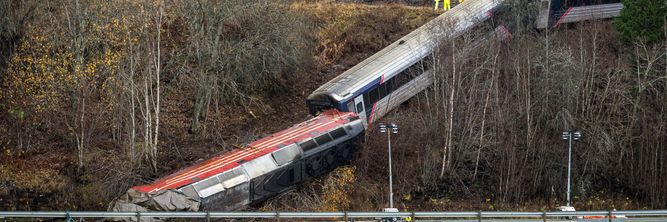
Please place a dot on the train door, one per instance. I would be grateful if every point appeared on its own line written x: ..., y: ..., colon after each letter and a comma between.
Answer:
x: 359, y: 104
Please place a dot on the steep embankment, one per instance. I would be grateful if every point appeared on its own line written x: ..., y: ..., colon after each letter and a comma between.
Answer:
x: 70, y: 109
x: 78, y: 97
x: 486, y: 135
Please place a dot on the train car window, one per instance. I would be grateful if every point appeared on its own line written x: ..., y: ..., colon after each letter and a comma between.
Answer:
x: 338, y: 133
x: 360, y: 107
x: 389, y: 84
x: 350, y: 106
x: 383, y: 90
x: 402, y: 78
x: 407, y: 75
x: 307, y: 145
x: 324, y: 138
x: 374, y: 95
x: 367, y: 100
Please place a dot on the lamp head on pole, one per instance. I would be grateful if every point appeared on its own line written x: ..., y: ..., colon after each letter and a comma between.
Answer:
x: 394, y: 128
x: 572, y: 135
x: 566, y: 135
x: 383, y: 127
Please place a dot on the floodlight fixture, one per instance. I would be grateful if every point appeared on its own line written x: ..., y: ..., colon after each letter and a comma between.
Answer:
x: 566, y: 135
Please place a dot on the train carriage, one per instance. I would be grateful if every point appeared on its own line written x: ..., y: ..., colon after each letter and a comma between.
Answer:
x: 556, y: 12
x: 401, y: 70
x: 267, y: 166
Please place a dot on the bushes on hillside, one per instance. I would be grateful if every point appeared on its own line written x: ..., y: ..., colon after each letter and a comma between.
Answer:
x: 642, y: 20
x: 91, y: 77
x: 234, y: 49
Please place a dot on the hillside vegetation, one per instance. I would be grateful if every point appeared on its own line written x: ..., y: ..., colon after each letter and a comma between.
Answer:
x: 98, y: 96
x: 487, y: 135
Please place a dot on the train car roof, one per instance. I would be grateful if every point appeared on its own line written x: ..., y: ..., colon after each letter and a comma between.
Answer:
x: 407, y: 50
x: 218, y: 164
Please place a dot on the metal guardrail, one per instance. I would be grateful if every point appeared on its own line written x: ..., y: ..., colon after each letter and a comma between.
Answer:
x: 480, y: 215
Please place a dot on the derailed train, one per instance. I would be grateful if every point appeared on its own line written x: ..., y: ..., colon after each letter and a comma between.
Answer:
x: 556, y: 12
x: 399, y: 71
x: 342, y: 108
x: 260, y: 170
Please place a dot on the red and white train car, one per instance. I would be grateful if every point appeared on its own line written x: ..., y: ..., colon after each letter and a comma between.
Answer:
x: 267, y: 166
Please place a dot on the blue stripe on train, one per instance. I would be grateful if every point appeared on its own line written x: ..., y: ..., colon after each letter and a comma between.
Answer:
x: 343, y: 103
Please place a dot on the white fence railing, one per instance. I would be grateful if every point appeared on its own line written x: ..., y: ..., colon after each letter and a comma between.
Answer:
x: 480, y: 215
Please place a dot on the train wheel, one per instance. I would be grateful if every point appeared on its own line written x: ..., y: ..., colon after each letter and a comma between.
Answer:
x: 329, y: 159
x: 314, y: 165
x: 344, y: 153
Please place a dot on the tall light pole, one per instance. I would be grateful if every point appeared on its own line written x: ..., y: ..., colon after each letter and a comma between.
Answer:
x: 569, y: 136
x: 390, y: 128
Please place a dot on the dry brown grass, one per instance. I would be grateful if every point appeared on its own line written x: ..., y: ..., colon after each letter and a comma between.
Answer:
x: 348, y: 28
x: 39, y: 175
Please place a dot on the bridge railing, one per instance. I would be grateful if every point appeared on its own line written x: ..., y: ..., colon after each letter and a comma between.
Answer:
x: 479, y: 215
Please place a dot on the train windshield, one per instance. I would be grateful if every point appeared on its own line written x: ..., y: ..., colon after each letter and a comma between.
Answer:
x: 318, y: 104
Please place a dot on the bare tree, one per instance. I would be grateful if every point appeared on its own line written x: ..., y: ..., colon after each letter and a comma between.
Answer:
x: 447, y: 154
x: 77, y: 25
